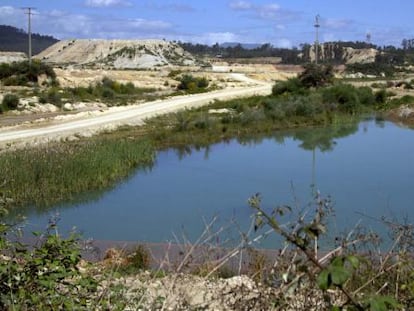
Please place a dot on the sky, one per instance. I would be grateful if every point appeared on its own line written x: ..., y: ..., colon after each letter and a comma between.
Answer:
x: 282, y: 23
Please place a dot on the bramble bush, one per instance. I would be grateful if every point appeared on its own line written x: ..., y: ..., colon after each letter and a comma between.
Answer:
x: 9, y: 102
x: 45, y: 276
x: 347, y: 269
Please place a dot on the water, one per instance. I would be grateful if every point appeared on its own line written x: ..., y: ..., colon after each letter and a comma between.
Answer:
x: 366, y: 167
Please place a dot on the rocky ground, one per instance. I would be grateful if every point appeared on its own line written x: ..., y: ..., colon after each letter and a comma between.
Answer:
x: 178, y: 291
x: 9, y: 57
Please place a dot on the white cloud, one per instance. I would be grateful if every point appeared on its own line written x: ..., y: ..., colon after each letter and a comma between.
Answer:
x: 210, y: 38
x: 271, y: 7
x: 329, y: 37
x: 106, y: 3
x: 337, y: 23
x: 13, y: 17
x: 175, y: 7
x: 7, y: 10
x: 65, y: 25
x: 271, y: 11
x: 283, y: 43
x: 240, y: 5
x: 144, y: 24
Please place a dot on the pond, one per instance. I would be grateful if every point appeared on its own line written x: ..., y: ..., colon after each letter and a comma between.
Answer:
x: 366, y: 167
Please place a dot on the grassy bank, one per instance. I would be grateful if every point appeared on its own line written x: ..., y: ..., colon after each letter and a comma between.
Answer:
x: 59, y: 172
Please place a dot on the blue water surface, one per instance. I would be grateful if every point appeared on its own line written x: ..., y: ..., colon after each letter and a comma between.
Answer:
x: 367, y: 168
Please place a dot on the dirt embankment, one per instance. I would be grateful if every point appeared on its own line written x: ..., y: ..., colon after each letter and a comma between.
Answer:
x: 403, y: 115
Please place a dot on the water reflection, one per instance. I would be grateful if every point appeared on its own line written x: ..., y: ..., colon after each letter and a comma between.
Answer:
x: 324, y: 139
x: 311, y: 138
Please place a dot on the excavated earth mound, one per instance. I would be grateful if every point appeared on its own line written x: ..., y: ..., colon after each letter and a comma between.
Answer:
x: 120, y: 54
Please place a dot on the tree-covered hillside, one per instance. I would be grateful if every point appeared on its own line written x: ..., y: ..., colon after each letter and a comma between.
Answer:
x: 15, y: 40
x: 329, y: 52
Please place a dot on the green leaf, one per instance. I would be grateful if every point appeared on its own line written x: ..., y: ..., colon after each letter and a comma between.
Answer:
x: 324, y: 280
x: 353, y: 260
x: 382, y: 303
x: 337, y: 262
x: 339, y: 275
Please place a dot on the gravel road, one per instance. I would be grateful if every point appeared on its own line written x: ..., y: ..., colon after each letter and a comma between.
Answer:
x: 136, y: 114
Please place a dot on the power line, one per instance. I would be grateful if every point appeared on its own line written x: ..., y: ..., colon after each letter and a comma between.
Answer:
x: 29, y: 13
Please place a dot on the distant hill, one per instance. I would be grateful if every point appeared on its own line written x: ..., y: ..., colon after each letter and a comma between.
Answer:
x: 13, y: 39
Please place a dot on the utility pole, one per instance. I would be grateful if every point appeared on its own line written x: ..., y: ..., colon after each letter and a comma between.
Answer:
x: 28, y: 11
x: 368, y: 38
x: 317, y: 25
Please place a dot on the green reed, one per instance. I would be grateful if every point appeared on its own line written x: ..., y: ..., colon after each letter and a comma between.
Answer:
x: 58, y: 172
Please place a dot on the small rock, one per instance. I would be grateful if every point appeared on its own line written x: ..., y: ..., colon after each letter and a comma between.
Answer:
x: 68, y: 107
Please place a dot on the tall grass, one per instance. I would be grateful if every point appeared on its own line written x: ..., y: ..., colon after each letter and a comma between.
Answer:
x: 59, y: 172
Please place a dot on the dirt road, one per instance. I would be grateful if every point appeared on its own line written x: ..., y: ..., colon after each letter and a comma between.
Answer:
x: 113, y: 117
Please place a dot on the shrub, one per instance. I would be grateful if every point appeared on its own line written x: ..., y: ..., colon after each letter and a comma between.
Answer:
x: 127, y: 88
x: 174, y: 73
x: 81, y: 93
x: 366, y: 97
x: 316, y: 75
x: 20, y: 73
x: 139, y: 259
x: 45, y: 276
x: 381, y: 96
x: 10, y: 101
x: 290, y: 86
x: 252, y: 115
x: 108, y: 93
x: 202, y: 82
x: 345, y: 95
x: 203, y: 122
x: 344, y: 269
x: 108, y: 83
x: 5, y: 71
x: 54, y: 97
x: 376, y: 69
x: 192, y: 84
x: 43, y: 98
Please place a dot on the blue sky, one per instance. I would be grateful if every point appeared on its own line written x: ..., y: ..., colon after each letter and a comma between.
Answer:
x: 283, y: 23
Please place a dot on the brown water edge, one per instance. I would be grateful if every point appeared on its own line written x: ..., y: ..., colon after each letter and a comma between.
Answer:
x: 175, y: 257
x: 189, y: 257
